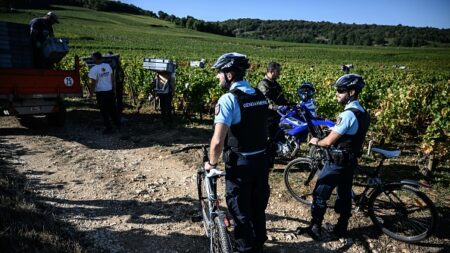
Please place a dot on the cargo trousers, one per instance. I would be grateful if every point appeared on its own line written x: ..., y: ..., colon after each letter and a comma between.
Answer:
x: 247, y: 196
x: 331, y: 176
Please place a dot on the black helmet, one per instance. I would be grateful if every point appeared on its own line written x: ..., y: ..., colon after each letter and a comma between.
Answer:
x: 306, y: 91
x: 232, y: 61
x: 350, y: 82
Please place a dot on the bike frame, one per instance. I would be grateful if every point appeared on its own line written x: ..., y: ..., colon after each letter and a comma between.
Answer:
x: 210, y: 185
x: 375, y: 183
x: 299, y: 117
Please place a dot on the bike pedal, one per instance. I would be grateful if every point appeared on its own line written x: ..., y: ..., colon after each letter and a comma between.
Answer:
x: 196, y: 218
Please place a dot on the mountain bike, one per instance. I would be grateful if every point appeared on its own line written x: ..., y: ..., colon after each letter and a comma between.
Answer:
x: 215, y: 221
x: 399, y: 209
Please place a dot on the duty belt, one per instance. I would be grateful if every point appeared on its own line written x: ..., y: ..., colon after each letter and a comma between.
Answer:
x: 250, y: 154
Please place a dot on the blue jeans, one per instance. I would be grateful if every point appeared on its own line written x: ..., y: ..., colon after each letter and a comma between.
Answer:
x: 247, y: 195
x: 332, y: 176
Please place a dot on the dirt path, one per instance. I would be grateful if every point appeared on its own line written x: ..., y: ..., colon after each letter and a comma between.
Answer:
x: 126, y: 193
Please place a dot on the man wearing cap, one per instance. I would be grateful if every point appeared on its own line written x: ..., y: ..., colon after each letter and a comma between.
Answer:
x: 41, y: 29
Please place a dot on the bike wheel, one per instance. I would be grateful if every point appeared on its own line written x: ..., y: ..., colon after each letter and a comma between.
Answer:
x: 403, y: 213
x: 203, y: 202
x: 221, y: 238
x: 300, y: 178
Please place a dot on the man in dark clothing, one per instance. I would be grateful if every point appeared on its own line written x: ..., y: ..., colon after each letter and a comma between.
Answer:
x: 274, y: 95
x: 41, y: 29
x: 271, y: 88
x: 119, y: 77
x: 164, y: 85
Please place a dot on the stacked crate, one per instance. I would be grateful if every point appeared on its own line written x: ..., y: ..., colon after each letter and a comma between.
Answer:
x: 15, y: 46
x: 111, y: 59
x: 54, y: 49
x: 159, y: 65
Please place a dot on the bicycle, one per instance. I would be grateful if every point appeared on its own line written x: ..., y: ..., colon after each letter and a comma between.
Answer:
x: 215, y: 221
x: 399, y: 209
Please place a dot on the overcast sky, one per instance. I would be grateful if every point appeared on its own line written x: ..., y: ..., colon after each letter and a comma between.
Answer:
x: 419, y: 13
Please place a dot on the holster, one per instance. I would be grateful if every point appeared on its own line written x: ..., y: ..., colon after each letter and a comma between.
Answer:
x: 341, y: 157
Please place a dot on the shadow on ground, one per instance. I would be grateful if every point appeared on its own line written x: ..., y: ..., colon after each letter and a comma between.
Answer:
x: 85, y: 127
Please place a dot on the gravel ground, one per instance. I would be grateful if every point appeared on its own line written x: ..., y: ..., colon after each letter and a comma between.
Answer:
x: 125, y: 192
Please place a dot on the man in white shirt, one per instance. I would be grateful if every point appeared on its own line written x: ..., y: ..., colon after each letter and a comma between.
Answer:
x: 102, y: 81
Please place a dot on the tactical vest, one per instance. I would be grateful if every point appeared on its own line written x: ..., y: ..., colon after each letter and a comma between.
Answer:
x: 354, y: 143
x: 250, y: 134
x: 274, y: 92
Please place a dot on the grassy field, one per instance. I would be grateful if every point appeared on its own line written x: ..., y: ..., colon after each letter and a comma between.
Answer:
x: 132, y: 35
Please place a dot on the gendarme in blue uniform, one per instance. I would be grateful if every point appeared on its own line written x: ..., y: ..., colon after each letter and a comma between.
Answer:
x: 244, y: 110
x: 229, y: 112
x: 347, y: 122
x: 352, y: 124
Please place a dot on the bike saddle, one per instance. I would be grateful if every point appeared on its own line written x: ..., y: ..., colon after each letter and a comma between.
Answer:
x: 387, y: 153
x: 215, y: 173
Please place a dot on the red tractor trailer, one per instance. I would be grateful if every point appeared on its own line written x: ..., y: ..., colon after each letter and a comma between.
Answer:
x: 27, y: 90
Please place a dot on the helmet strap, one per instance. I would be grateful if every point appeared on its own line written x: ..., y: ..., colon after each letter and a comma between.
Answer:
x: 227, y: 84
x: 351, y: 99
x: 226, y: 77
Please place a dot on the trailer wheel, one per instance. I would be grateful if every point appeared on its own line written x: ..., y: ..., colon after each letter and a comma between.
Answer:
x: 59, y: 118
x: 25, y: 120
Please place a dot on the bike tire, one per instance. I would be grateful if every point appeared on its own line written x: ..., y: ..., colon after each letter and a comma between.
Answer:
x: 403, y: 212
x: 295, y: 175
x: 203, y: 203
x: 221, y: 236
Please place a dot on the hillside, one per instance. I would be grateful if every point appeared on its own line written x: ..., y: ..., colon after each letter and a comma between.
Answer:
x: 132, y: 35
x: 337, y: 34
x: 299, y: 31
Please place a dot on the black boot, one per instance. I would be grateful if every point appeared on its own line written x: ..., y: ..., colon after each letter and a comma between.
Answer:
x: 314, y: 231
x: 340, y: 229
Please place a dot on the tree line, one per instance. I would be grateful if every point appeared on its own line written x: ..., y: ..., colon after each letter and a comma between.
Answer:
x: 99, y: 5
x: 279, y: 30
x: 317, y: 32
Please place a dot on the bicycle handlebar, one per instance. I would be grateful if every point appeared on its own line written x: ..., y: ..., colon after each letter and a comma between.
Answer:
x: 215, y: 173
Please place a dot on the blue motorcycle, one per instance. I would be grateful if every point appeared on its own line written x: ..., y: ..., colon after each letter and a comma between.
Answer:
x: 293, y: 127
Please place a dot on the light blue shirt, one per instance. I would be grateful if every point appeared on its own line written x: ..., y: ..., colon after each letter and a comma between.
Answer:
x: 227, y: 108
x: 347, y: 122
